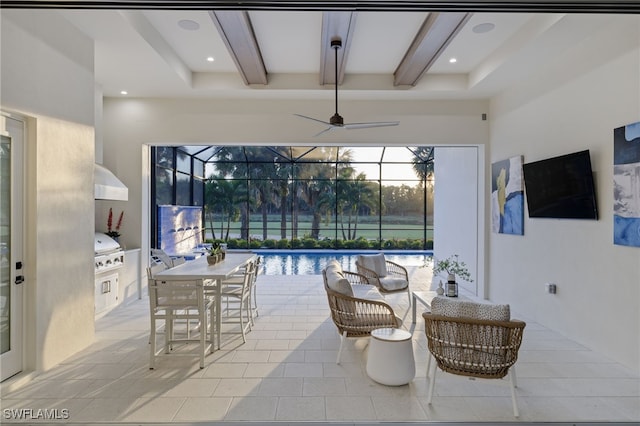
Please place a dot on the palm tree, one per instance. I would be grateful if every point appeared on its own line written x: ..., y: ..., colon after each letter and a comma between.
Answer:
x: 225, y: 196
x: 356, y: 195
x: 262, y: 171
x: 232, y: 163
x: 423, y: 162
x: 313, y: 182
x: 281, y: 193
x: 281, y: 178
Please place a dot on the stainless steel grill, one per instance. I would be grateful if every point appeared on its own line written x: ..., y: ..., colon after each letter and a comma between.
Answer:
x: 108, y: 254
x: 109, y: 258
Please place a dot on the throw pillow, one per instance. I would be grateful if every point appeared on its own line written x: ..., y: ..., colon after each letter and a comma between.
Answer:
x: 333, y: 263
x: 375, y: 262
x: 342, y: 286
x: 449, y: 307
x: 336, y: 280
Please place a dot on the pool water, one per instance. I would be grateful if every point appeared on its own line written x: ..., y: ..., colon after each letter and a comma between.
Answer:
x: 311, y: 262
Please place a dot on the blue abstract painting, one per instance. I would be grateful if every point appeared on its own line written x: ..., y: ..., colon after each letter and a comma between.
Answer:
x: 507, y: 196
x: 626, y: 185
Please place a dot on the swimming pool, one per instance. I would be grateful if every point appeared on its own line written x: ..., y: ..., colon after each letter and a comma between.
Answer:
x: 311, y: 262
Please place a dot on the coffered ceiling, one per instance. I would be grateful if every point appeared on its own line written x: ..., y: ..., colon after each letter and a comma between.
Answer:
x: 286, y: 54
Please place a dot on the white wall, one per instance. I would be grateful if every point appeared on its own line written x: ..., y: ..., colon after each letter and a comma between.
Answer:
x: 132, y: 123
x: 47, y: 64
x: 47, y: 76
x: 458, y: 220
x: 597, y: 303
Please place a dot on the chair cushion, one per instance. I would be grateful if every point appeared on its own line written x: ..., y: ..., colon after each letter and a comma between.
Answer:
x: 336, y: 280
x: 375, y: 262
x: 393, y: 283
x: 334, y: 264
x: 367, y: 292
x: 449, y: 307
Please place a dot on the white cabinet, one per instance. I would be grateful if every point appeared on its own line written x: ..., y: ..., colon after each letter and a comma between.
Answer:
x: 106, y: 288
x: 130, y: 277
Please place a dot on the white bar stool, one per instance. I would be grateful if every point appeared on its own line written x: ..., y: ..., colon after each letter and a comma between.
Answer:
x: 390, y: 359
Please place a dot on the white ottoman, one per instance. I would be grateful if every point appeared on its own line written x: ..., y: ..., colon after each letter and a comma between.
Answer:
x: 390, y: 360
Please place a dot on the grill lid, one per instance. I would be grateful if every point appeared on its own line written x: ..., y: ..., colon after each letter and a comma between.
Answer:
x: 105, y: 244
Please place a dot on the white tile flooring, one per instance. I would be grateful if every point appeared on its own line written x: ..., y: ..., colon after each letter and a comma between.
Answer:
x: 286, y: 371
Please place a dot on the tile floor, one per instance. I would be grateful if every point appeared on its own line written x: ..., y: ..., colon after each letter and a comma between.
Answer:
x: 286, y: 371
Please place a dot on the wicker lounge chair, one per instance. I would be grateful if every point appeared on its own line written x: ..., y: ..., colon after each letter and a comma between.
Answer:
x: 358, y: 314
x: 483, y: 348
x: 388, y: 276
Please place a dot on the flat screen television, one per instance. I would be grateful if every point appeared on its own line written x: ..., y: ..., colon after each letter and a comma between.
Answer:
x: 561, y: 187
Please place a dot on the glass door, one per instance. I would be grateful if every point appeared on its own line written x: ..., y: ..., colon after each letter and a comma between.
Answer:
x: 11, y: 232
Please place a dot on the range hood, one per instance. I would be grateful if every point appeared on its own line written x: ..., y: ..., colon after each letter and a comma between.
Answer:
x: 108, y: 186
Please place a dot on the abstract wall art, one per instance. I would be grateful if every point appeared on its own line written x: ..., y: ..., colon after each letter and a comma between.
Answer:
x: 507, y: 197
x: 626, y: 185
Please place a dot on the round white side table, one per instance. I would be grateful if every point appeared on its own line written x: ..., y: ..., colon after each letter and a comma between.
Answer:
x: 390, y: 360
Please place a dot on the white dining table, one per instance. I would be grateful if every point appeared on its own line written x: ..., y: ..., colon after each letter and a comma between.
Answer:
x: 200, y: 270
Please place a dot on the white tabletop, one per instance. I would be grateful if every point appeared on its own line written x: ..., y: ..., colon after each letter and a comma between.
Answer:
x: 200, y: 269
x: 391, y: 334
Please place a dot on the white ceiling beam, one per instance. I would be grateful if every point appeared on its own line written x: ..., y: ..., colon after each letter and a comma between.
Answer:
x: 335, y: 25
x: 434, y: 35
x: 237, y: 33
x: 148, y: 32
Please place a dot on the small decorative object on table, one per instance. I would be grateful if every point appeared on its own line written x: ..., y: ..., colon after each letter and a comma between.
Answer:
x: 452, y: 286
x: 440, y: 289
x: 215, y: 254
x: 452, y: 266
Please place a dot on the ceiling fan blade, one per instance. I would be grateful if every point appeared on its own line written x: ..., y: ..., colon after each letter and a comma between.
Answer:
x: 351, y: 126
x: 313, y: 119
x: 328, y: 129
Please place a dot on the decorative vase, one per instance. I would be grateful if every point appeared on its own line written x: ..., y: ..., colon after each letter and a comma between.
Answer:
x: 452, y: 286
x: 440, y: 289
x: 212, y: 259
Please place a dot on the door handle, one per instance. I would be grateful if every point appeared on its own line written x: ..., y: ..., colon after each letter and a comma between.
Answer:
x: 19, y: 279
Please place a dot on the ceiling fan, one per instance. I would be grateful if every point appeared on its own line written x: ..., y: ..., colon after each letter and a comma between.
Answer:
x: 336, y: 121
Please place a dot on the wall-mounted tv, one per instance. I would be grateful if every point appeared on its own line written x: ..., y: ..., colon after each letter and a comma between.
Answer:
x: 561, y: 187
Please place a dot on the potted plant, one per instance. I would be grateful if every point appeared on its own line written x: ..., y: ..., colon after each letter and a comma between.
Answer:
x: 111, y: 232
x: 452, y: 266
x: 214, y: 254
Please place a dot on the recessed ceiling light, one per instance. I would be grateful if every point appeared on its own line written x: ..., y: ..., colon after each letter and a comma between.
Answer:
x: 483, y: 28
x: 453, y: 60
x: 211, y: 59
x: 188, y: 24
x: 124, y: 92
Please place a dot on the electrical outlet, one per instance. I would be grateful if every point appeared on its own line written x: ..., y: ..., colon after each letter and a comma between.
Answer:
x: 551, y: 288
